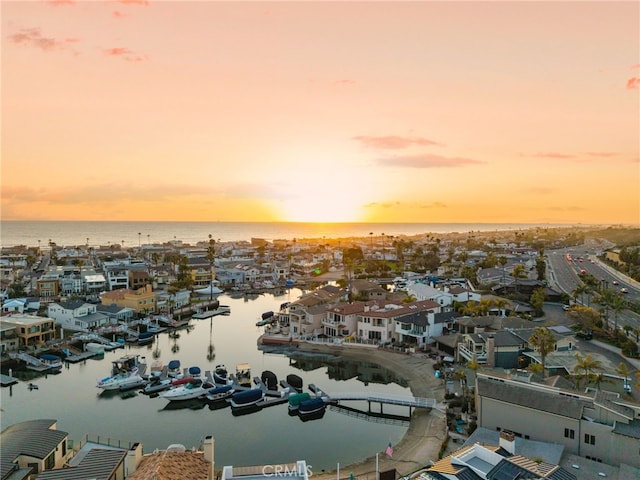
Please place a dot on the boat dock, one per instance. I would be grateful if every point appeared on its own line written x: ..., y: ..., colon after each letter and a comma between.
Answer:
x: 78, y: 357
x: 7, y: 381
x: 221, y: 310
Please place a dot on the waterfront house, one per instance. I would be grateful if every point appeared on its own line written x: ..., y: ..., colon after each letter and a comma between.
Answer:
x: 77, y: 315
x: 48, y: 287
x: 504, y: 459
x: 416, y: 325
x: 495, y: 349
x: 291, y: 471
x: 422, y: 291
x: 21, y: 305
x: 31, y: 447
x: 116, y: 313
x: 595, y: 424
x: 8, y: 337
x: 30, y: 329
x: 177, y: 462
x: 141, y: 301
x: 342, y: 320
x: 367, y: 290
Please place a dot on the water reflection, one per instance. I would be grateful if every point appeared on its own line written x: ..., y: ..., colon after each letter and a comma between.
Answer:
x: 338, y: 368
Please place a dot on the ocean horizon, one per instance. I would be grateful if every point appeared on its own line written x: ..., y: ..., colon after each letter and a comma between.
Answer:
x: 133, y: 234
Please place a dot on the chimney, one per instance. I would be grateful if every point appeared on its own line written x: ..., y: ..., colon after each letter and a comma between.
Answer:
x: 133, y: 459
x: 491, y: 351
x: 508, y: 441
x: 207, y: 448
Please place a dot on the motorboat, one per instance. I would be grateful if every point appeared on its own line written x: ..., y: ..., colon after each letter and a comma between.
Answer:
x: 124, y: 374
x: 193, y: 389
x: 311, y: 406
x: 295, y: 382
x: 220, y: 393
x: 122, y: 380
x: 243, y: 374
x: 173, y: 368
x: 296, y: 399
x: 221, y: 375
x: 270, y: 380
x: 52, y: 361
x: 246, y: 398
x: 157, y: 384
x: 210, y: 290
x: 145, y: 338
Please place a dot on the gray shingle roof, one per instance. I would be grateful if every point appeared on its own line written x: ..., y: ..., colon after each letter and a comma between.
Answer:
x: 34, y: 438
x: 98, y: 464
x: 562, y: 405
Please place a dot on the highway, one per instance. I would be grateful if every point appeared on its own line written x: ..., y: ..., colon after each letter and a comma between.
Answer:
x: 565, y: 265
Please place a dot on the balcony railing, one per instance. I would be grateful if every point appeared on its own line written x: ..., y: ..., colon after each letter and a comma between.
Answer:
x: 480, y: 357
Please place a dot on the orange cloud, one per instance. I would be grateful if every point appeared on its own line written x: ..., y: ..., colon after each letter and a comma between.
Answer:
x: 426, y: 161
x: 393, y: 142
x: 602, y: 154
x: 134, y: 2
x: 125, y: 54
x: 117, y: 14
x: 633, y: 83
x: 553, y: 155
x: 60, y: 3
x: 32, y: 37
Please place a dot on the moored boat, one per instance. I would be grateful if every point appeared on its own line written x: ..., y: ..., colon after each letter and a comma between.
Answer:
x: 247, y: 398
x: 156, y: 385
x: 53, y: 361
x: 221, y: 375
x: 173, y: 368
x: 295, y: 381
x: 269, y: 379
x: 296, y: 399
x: 145, y: 338
x: 243, y: 374
x: 190, y: 390
x: 311, y: 406
x: 220, y: 393
x: 124, y: 373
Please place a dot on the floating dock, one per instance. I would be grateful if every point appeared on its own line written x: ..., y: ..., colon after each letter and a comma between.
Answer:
x: 7, y: 381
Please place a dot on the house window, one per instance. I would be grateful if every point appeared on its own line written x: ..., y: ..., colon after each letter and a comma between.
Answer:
x: 569, y: 433
x: 50, y: 461
x: 589, y: 439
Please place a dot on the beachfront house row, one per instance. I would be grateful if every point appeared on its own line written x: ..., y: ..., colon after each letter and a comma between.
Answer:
x: 596, y: 424
x: 77, y: 315
x: 31, y: 330
x: 141, y: 301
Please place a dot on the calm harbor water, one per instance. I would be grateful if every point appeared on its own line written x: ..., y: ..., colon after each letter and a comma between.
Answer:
x: 263, y: 437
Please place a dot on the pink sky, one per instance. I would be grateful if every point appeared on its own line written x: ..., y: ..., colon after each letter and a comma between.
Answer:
x: 321, y: 111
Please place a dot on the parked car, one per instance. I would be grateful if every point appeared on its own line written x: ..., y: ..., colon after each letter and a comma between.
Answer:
x: 585, y: 334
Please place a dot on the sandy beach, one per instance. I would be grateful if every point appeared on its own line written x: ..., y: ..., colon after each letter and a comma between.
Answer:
x: 427, y: 430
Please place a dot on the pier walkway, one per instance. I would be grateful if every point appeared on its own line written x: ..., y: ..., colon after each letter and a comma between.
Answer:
x: 382, y: 398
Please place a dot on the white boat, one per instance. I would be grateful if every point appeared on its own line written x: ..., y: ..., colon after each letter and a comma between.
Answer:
x: 124, y: 375
x: 94, y: 347
x: 157, y: 384
x: 210, y: 290
x: 193, y: 389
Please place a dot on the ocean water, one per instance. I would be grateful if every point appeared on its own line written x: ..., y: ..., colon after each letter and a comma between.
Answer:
x: 133, y: 234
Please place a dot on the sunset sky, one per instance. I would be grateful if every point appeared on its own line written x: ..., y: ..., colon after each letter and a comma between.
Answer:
x: 321, y: 111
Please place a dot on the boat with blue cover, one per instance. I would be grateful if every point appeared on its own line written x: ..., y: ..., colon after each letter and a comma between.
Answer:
x: 221, y: 375
x: 53, y: 361
x: 311, y: 406
x: 247, y: 398
x: 145, y: 338
x: 173, y: 368
x: 220, y: 393
x: 296, y: 399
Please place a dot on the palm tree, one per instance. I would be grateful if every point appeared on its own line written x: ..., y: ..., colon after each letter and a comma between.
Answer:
x: 544, y: 341
x: 586, y: 367
x: 211, y: 255
x: 518, y: 272
x: 503, y: 262
x: 624, y: 370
